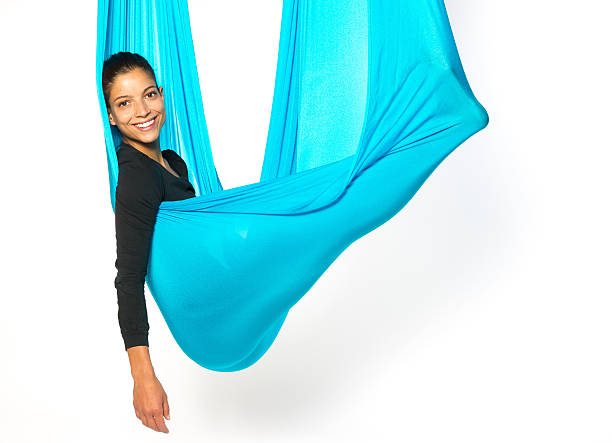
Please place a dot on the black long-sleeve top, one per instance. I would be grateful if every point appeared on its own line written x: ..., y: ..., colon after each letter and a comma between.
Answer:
x: 142, y: 185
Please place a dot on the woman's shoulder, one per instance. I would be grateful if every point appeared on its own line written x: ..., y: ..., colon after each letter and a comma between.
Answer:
x: 169, y: 153
x: 175, y: 161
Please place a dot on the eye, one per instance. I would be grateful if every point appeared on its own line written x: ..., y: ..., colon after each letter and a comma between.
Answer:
x: 152, y: 92
x: 123, y: 103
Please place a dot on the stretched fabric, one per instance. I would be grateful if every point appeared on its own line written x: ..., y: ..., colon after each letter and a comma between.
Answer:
x: 370, y: 97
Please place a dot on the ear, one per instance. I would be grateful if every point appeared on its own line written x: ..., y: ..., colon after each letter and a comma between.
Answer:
x: 110, y: 118
x: 161, y: 91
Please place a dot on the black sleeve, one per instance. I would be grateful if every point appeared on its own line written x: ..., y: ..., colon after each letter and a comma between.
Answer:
x: 138, y: 196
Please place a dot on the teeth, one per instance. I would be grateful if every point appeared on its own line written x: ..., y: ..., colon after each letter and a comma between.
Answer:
x: 146, y: 125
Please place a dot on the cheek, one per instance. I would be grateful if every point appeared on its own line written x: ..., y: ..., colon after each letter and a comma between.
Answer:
x: 123, y: 117
x: 162, y: 111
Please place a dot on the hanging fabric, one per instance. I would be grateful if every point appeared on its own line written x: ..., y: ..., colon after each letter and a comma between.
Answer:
x: 369, y: 97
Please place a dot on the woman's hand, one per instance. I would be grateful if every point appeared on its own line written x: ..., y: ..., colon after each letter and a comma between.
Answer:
x: 151, y: 403
x: 150, y: 399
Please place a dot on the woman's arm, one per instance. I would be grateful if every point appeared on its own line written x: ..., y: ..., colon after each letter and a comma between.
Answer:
x: 137, y: 198
x: 138, y: 195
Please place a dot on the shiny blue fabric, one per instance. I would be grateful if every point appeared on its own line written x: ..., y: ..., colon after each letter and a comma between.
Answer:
x: 370, y: 96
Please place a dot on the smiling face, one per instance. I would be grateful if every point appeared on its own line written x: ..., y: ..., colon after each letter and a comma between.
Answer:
x: 136, y: 107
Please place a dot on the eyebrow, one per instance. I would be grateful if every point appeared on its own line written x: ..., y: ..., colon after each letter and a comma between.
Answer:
x: 127, y: 96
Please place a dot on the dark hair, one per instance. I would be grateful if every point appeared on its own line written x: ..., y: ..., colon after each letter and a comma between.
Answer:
x: 121, y: 63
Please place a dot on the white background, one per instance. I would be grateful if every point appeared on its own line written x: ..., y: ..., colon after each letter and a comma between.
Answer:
x: 480, y: 313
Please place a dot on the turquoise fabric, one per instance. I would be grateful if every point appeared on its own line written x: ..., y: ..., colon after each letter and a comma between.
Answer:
x: 370, y: 96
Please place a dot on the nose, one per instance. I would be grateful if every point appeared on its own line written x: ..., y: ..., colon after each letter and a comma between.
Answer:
x: 140, y: 108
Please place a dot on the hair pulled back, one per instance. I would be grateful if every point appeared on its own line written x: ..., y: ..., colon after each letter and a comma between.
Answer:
x: 121, y: 63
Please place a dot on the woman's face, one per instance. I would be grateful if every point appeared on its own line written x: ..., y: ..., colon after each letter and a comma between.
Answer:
x: 137, y: 106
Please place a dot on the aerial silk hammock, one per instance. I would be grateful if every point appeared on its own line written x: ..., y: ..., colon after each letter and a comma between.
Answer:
x: 369, y: 98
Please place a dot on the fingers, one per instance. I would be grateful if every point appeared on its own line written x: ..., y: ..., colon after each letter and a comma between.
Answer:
x: 143, y: 418
x: 145, y: 421
x: 160, y: 425
x: 166, y: 407
x: 153, y: 419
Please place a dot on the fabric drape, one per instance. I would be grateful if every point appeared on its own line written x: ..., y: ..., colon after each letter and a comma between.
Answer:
x: 370, y: 97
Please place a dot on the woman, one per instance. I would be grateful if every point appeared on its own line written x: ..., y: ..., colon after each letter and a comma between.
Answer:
x: 147, y: 176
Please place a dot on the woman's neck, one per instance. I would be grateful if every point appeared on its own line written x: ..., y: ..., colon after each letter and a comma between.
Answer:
x: 150, y: 149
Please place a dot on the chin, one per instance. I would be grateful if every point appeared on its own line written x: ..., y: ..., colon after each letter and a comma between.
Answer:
x: 148, y: 138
